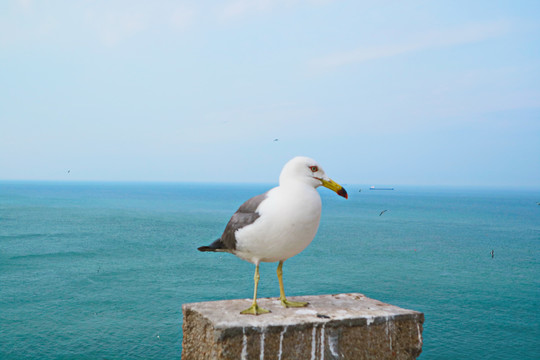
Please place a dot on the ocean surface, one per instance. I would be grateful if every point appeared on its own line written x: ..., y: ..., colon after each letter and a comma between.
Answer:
x: 101, y: 270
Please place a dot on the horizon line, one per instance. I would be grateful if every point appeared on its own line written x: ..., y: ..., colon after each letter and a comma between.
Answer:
x: 186, y: 182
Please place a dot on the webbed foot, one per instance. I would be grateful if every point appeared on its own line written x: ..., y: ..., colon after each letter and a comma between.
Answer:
x: 254, y: 310
x: 289, y: 304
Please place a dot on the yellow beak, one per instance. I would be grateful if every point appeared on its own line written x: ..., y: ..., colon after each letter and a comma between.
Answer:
x: 334, y: 186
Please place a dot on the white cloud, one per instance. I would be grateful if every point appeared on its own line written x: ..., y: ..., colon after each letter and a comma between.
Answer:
x: 426, y: 40
x: 240, y: 8
x: 113, y: 27
x: 182, y: 17
x: 25, y: 4
x: 111, y: 23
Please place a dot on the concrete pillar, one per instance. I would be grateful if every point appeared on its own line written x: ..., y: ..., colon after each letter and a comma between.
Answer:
x: 342, y: 326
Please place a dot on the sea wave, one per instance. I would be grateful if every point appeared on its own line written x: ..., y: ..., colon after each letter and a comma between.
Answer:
x: 54, y: 255
x: 23, y: 236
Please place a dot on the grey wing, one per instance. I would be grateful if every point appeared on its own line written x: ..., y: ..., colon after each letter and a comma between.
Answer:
x: 245, y: 215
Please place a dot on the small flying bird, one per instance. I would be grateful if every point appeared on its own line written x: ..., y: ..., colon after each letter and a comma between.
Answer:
x: 492, y: 254
x: 276, y: 140
x: 278, y: 224
x: 382, y: 212
x: 68, y: 171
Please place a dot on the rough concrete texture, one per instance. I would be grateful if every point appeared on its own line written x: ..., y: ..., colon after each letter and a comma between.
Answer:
x: 343, y: 326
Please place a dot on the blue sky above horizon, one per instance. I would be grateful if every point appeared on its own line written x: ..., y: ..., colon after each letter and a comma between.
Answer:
x: 379, y: 92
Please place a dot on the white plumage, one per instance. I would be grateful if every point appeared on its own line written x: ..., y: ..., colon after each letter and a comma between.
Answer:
x: 280, y: 223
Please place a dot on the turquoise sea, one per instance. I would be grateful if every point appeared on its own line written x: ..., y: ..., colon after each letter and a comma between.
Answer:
x: 101, y: 270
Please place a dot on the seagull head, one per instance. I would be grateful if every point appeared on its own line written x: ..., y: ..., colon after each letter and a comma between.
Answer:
x: 308, y: 171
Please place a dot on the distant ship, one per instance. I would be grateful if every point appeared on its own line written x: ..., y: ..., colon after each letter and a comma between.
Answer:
x: 380, y: 188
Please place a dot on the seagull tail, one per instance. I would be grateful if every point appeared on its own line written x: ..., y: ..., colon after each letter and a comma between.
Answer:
x: 217, y: 245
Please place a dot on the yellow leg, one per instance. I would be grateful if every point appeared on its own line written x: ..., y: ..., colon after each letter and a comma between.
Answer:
x: 284, y: 300
x: 254, y: 309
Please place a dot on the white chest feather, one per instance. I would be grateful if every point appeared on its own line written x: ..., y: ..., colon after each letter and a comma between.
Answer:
x: 289, y: 219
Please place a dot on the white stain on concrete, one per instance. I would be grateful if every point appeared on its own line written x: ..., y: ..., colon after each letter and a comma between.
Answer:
x: 243, y: 356
x: 332, y: 345
x: 322, y: 341
x: 281, y: 342
x: 389, y: 329
x: 306, y: 312
x: 263, y: 335
x: 313, y: 341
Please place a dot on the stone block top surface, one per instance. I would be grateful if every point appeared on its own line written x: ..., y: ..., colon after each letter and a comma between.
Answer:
x: 322, y: 308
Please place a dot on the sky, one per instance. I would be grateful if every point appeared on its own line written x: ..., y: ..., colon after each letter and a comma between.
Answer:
x: 378, y: 92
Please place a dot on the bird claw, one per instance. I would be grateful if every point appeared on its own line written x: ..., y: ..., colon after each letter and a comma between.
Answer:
x: 289, y: 304
x: 255, y: 310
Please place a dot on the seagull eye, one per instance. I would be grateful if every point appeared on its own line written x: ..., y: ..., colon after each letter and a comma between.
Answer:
x: 314, y: 168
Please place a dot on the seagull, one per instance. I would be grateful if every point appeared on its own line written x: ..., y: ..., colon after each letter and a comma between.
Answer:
x: 382, y: 212
x: 278, y: 224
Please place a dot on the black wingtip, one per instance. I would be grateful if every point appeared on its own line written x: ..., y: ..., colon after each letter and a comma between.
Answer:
x: 215, y: 246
